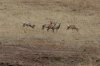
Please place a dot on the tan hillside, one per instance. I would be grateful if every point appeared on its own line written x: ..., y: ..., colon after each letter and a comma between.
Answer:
x: 36, y: 47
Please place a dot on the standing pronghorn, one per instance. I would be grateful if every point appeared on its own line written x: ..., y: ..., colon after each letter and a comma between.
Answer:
x: 56, y: 27
x: 49, y: 26
x: 73, y: 27
x: 29, y: 25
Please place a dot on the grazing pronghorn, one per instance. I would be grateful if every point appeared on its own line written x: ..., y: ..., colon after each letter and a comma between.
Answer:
x: 56, y: 27
x: 49, y: 26
x: 29, y: 25
x: 73, y: 27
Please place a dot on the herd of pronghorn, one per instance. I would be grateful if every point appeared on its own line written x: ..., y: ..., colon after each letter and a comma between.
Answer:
x: 54, y: 26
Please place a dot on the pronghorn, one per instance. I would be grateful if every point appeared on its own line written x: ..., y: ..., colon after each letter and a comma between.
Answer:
x: 29, y: 25
x: 57, y: 26
x: 49, y: 26
x: 73, y: 27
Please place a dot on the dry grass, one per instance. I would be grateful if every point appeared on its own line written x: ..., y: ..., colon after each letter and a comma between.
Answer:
x: 17, y: 12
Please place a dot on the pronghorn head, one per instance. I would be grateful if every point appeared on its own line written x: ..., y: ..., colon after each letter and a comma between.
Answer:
x: 68, y: 26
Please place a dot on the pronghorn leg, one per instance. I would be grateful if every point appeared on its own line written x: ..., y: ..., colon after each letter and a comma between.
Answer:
x: 47, y: 29
x: 24, y: 31
x: 77, y: 29
x: 53, y: 30
x: 72, y: 29
x: 57, y: 30
x: 43, y: 27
